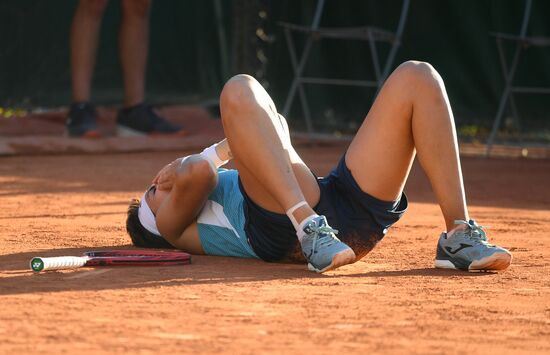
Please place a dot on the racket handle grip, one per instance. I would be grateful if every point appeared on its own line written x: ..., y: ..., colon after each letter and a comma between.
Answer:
x: 57, y: 263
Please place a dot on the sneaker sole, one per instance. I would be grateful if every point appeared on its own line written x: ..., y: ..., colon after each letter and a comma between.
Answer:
x: 343, y: 258
x: 123, y: 131
x: 498, y: 261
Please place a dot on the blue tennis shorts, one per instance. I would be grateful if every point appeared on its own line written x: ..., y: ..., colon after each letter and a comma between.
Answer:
x: 361, y: 219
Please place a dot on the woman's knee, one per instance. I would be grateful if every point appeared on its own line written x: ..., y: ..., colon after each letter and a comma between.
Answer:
x: 419, y: 74
x: 238, y: 90
x: 239, y: 93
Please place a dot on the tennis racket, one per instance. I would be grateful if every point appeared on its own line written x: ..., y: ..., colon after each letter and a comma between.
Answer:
x: 112, y: 258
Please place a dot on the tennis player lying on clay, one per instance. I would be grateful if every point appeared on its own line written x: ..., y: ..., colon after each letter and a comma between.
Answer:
x: 274, y: 208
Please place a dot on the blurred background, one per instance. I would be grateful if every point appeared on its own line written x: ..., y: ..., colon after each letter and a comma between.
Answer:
x: 196, y: 45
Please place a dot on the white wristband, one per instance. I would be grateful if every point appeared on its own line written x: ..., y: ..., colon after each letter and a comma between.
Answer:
x: 211, y: 154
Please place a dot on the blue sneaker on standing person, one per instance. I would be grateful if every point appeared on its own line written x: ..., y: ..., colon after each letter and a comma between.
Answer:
x: 81, y: 121
x: 322, y: 249
x: 469, y: 249
x: 137, y: 120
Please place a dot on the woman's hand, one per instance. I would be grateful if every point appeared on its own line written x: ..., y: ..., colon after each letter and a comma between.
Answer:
x: 164, y: 180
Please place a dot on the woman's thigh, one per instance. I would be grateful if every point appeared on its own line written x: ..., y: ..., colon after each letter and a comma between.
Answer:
x: 307, y: 181
x: 254, y: 100
x: 381, y: 154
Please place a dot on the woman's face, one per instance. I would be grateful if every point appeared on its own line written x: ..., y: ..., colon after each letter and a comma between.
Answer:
x: 155, y: 197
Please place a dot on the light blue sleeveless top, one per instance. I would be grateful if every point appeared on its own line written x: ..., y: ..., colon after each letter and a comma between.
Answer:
x: 221, y: 221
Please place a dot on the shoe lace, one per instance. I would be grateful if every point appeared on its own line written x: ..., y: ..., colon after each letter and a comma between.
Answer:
x: 322, y: 236
x: 474, y: 231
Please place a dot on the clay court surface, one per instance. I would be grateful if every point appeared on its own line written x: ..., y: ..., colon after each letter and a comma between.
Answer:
x: 392, y: 301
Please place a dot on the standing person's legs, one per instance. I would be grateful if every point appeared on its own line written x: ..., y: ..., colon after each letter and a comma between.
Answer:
x: 84, y: 41
x: 271, y: 172
x: 137, y: 117
x: 133, y: 49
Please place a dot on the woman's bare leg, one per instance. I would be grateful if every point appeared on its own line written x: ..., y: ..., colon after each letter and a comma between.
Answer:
x: 272, y: 173
x: 411, y: 114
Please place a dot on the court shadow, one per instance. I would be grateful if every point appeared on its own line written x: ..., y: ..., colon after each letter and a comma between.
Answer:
x: 17, y: 278
x: 48, y: 215
x: 509, y: 183
x: 430, y: 272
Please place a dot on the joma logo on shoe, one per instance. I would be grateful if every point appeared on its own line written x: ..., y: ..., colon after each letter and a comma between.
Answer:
x: 462, y: 246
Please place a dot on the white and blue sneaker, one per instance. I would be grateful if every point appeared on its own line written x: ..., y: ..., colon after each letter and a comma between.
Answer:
x: 470, y: 250
x: 322, y: 249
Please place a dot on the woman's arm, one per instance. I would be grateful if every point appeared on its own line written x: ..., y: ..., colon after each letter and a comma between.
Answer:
x: 194, y: 180
x: 165, y: 177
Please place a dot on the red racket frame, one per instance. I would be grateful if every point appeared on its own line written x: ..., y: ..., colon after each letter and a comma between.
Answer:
x: 136, y: 257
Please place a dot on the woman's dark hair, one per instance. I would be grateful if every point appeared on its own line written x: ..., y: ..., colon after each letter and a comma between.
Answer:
x: 140, y: 236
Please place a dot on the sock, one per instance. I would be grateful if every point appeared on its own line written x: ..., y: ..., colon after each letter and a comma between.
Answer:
x: 299, y: 226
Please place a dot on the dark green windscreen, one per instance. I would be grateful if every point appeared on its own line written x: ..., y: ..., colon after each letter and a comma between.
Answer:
x: 185, y: 59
